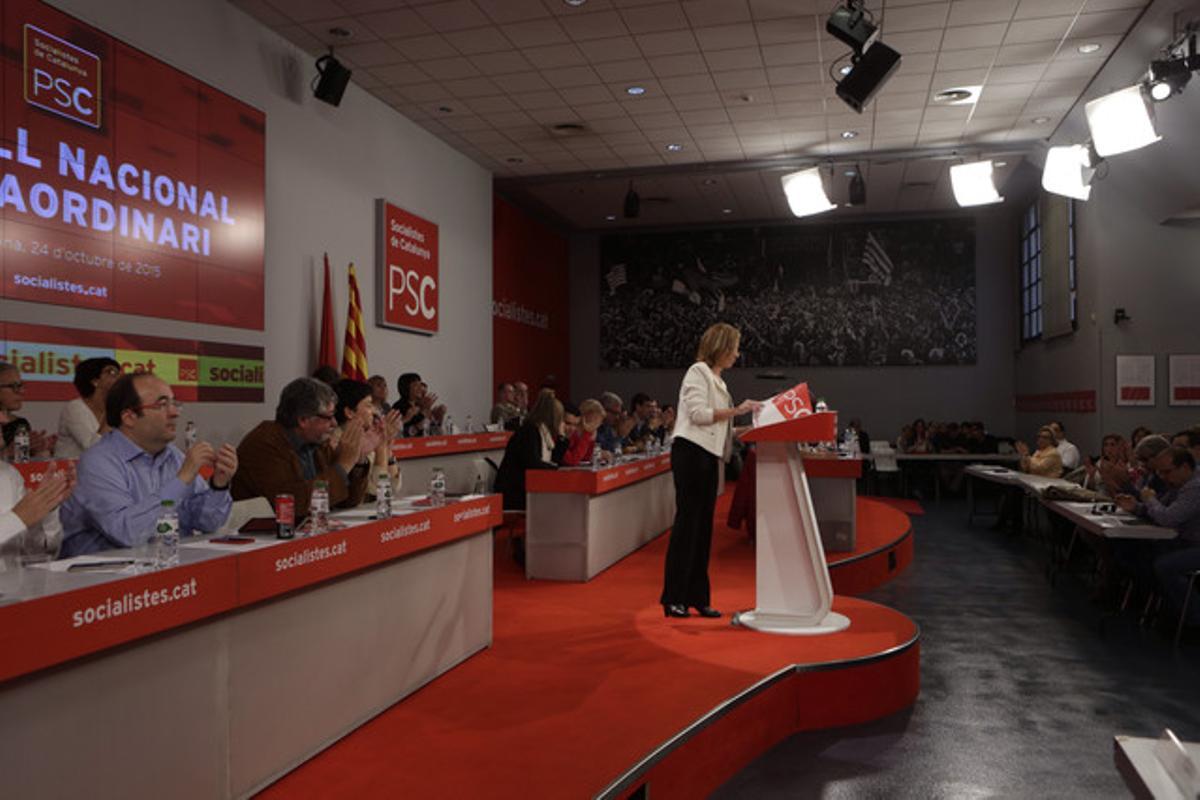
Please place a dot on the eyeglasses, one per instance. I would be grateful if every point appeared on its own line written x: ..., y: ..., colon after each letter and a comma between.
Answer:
x: 161, y: 405
x: 326, y: 417
x: 16, y: 386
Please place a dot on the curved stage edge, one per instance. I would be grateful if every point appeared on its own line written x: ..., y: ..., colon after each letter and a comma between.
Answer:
x: 806, y: 696
x: 884, y: 549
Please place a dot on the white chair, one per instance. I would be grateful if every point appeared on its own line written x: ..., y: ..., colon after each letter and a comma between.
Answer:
x: 884, y: 461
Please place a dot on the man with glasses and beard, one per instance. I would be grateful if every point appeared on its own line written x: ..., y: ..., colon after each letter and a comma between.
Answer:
x: 125, y: 477
x: 289, y: 454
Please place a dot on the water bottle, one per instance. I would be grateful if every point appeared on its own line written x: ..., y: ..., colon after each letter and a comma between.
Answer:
x: 480, y: 486
x: 448, y: 426
x: 437, y: 487
x: 166, y: 537
x: 21, y: 445
x: 470, y: 425
x: 318, y: 508
x: 189, y: 435
x: 383, y: 496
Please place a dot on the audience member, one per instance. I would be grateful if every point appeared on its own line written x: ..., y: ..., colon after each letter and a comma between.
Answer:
x: 582, y: 441
x: 1112, y: 474
x: 327, y: 375
x: 1189, y: 439
x: 1066, y: 450
x: 860, y: 436
x: 1178, y: 508
x: 531, y: 447
x: 417, y: 405
x: 521, y: 398
x: 915, y: 439
x: 29, y: 524
x: 647, y: 423
x: 82, y: 421
x: 288, y: 454
x: 379, y: 393
x: 1139, y: 433
x: 505, y: 409
x: 12, y: 397
x: 126, y: 476
x: 1045, y: 461
x: 356, y: 401
x: 668, y: 418
x: 1145, y: 476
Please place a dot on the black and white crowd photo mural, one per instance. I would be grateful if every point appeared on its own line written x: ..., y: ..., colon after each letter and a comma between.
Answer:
x: 855, y: 294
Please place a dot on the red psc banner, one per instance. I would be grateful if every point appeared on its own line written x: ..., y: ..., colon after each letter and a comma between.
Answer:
x: 406, y: 288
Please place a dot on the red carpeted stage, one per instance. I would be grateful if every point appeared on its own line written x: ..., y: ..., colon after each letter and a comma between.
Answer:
x: 588, y: 690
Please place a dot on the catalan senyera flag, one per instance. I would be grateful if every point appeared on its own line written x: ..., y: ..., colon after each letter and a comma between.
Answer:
x: 354, y: 347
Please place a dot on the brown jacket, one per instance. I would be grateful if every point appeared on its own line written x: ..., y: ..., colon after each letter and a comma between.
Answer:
x: 268, y: 465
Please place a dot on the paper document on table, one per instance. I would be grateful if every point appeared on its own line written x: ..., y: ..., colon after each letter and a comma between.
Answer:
x: 792, y: 404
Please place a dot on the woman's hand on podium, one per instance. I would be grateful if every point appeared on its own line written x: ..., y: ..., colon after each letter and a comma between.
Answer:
x: 746, y: 406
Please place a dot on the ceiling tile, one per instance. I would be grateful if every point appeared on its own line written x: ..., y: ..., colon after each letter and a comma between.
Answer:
x: 619, y: 71
x: 494, y: 104
x: 501, y: 63
x: 654, y: 18
x: 620, y: 48
x: 502, y: 11
x: 1017, y: 74
x: 370, y: 54
x: 479, y: 40
x: 801, y: 73
x: 452, y: 16
x: 725, y: 37
x: 400, y: 74
x: 572, y: 76
x: 539, y: 100
x: 471, y: 87
x: 555, y: 56
x: 449, y: 68
x: 667, y: 44
x: 522, y: 82
x: 396, y: 24
x: 716, y: 12
x: 966, y: 59
x: 1046, y: 29
x: 914, y: 18
x: 535, y: 33
x: 929, y: 41
x: 781, y: 55
x: 602, y: 25
x: 688, y: 84
x: 686, y: 64
x: 1109, y: 23
x: 582, y: 95
x: 434, y: 45
x: 308, y: 10
x: 697, y: 102
x: 1048, y: 8
x: 969, y: 36
x: 976, y: 12
x: 1033, y: 53
x: 740, y: 58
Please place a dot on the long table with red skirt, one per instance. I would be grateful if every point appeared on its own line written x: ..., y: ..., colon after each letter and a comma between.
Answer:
x: 463, y: 457
x: 215, y: 677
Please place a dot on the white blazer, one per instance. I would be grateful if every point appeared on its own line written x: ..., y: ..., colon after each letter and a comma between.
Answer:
x: 700, y: 394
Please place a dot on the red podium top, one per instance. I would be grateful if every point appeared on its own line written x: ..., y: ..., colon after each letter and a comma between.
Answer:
x: 818, y: 427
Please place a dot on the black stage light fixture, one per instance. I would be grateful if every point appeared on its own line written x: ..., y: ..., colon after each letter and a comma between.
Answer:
x: 633, y: 203
x: 858, y: 188
x: 852, y: 25
x: 867, y: 75
x: 1168, y: 78
x: 331, y: 80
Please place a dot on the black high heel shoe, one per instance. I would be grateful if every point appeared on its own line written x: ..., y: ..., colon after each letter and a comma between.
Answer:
x: 675, y: 611
x: 708, y: 611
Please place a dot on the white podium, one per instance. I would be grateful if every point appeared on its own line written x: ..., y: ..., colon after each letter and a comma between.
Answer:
x: 793, y: 591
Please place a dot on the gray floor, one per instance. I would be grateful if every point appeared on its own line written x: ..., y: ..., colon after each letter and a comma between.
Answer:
x: 1020, y: 692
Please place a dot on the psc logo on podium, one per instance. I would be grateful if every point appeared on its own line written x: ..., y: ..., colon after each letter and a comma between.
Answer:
x: 406, y: 286
x: 61, y: 77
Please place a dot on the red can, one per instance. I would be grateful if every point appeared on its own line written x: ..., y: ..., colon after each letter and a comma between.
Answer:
x: 285, y: 516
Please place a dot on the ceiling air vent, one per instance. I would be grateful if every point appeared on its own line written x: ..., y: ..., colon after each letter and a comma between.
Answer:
x: 564, y: 129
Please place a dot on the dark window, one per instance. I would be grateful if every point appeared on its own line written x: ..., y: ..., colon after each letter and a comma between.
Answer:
x: 1031, y: 274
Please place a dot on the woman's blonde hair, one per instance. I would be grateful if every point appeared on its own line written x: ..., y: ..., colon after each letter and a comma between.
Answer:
x: 718, y: 340
x: 590, y: 406
x: 547, y: 411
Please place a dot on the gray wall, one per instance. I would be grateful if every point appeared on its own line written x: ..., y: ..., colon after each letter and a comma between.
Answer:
x: 884, y: 397
x: 325, y: 167
x: 1128, y: 259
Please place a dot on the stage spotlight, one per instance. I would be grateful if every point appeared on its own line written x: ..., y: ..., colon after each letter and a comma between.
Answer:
x: 973, y: 184
x: 633, y: 203
x: 1069, y: 171
x: 1120, y: 122
x: 806, y: 193
x: 858, y: 189
x: 851, y: 23
x: 331, y: 80
x: 868, y: 73
x: 1168, y: 78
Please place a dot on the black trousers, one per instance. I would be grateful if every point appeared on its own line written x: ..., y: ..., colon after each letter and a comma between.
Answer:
x: 696, y: 472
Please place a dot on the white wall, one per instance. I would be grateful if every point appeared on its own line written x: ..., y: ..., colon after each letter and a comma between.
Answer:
x: 325, y: 167
x: 1128, y: 259
x: 883, y: 397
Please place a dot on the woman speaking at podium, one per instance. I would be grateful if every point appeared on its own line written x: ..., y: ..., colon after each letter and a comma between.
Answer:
x: 703, y: 442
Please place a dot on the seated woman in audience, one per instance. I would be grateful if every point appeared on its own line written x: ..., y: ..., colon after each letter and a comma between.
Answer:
x: 531, y: 447
x: 12, y: 397
x: 668, y: 417
x: 82, y: 421
x: 1045, y: 461
x: 29, y: 524
x: 917, y: 440
x: 1112, y: 473
x: 416, y: 404
x: 356, y: 400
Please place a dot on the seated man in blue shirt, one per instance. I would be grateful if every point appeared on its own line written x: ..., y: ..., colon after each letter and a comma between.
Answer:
x: 1178, y: 508
x: 124, y: 478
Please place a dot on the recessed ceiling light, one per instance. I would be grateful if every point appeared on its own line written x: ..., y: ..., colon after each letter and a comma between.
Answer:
x: 846, y: 70
x: 575, y: 3
x: 958, y: 95
x: 1090, y: 47
x: 445, y: 109
x: 340, y: 32
x: 635, y: 90
x: 611, y: 217
x: 726, y: 210
x: 1040, y: 120
x: 710, y: 181
x: 674, y: 148
x: 850, y: 173
x: 849, y: 134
